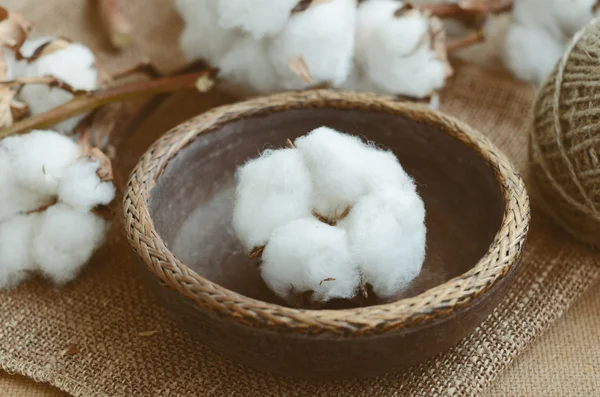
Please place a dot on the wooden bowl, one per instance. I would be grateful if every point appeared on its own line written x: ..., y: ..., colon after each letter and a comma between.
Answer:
x: 178, y: 208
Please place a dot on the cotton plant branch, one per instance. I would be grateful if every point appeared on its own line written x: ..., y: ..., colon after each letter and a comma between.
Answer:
x: 203, y: 81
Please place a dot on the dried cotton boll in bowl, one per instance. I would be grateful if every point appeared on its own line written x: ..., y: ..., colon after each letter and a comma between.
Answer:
x: 332, y: 218
x: 50, y: 188
x: 539, y: 33
x: 565, y: 139
x: 398, y: 50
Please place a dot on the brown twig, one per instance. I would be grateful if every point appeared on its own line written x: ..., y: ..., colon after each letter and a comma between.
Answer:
x: 96, y: 99
x: 473, y: 38
x: 50, y: 81
x: 117, y: 25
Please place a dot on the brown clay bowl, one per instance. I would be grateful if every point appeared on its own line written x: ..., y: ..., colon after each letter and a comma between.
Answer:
x: 178, y: 208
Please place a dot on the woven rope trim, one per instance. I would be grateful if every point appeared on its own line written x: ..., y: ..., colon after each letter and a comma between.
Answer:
x: 502, y: 257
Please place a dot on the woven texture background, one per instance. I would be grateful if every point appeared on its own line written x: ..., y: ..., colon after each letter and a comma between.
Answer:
x: 105, y: 335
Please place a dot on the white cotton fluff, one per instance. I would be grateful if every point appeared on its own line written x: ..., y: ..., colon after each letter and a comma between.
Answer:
x: 272, y: 190
x: 380, y: 241
x: 302, y: 255
x: 394, y: 54
x: 81, y: 187
x: 202, y: 36
x: 65, y: 240
x: 256, y: 17
x: 247, y: 68
x: 75, y: 65
x: 386, y: 233
x: 15, y: 198
x: 539, y: 31
x: 323, y: 36
x: 40, y: 159
x: 16, y: 258
x: 343, y: 169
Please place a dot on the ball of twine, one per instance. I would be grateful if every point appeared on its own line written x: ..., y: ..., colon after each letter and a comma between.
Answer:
x: 565, y: 139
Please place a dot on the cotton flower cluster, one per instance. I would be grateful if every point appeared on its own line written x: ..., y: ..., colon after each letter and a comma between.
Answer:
x: 72, y: 63
x: 331, y: 215
x: 259, y: 46
x: 49, y: 188
x: 539, y: 32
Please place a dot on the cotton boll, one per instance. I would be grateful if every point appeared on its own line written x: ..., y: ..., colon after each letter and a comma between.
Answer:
x: 384, y: 171
x: 530, y: 53
x: 308, y: 255
x: 65, y: 241
x: 75, y: 65
x: 322, y: 36
x: 386, y: 233
x: 40, y: 159
x: 272, y: 191
x: 16, y: 259
x: 82, y: 188
x: 246, y: 67
x: 202, y: 36
x: 398, y: 54
x: 256, y: 17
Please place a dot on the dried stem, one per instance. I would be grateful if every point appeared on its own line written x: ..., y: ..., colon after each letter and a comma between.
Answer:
x: 473, y: 38
x: 96, y: 99
x: 50, y: 81
x: 117, y: 25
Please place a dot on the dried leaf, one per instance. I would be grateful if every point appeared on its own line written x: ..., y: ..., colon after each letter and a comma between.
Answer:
x: 14, y: 30
x: 327, y: 279
x: 6, y: 113
x: 105, y: 172
x: 300, y: 68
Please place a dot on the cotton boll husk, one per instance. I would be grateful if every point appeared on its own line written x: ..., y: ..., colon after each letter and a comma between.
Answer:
x: 202, y: 36
x: 386, y: 233
x: 395, y: 53
x: 82, y: 188
x: 247, y: 70
x: 16, y: 241
x: 75, y: 65
x: 39, y: 159
x: 65, y: 241
x: 530, y: 53
x: 272, y: 190
x: 301, y: 255
x: 323, y: 36
x: 256, y: 17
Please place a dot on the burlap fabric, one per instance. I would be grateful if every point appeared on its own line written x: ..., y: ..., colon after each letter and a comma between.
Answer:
x: 105, y: 335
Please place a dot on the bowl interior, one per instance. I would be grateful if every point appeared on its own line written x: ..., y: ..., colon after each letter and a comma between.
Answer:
x: 192, y: 202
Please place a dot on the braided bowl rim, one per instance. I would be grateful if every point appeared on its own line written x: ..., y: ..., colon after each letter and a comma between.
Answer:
x: 431, y: 305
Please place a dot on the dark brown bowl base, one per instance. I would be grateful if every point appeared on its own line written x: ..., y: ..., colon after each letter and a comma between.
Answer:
x: 191, y: 206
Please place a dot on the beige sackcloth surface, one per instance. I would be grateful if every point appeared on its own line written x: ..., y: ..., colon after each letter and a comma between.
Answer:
x: 91, y: 337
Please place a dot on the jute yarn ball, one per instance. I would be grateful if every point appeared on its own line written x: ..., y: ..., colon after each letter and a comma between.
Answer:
x: 565, y: 139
